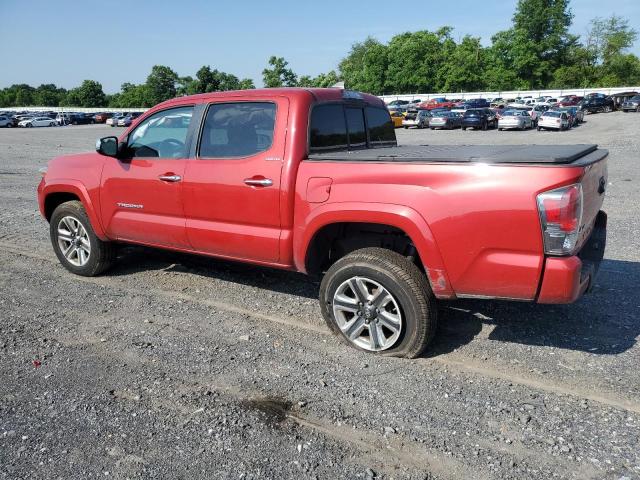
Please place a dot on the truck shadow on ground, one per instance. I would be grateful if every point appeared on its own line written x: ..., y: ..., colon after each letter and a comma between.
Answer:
x: 605, y: 322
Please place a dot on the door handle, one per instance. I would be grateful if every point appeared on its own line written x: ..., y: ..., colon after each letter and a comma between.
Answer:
x: 258, y: 182
x: 169, y: 177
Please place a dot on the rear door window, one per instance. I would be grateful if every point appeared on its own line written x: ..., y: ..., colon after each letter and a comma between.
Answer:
x: 239, y: 129
x: 328, y: 129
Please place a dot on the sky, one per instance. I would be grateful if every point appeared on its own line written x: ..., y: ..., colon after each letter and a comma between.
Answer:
x: 117, y: 41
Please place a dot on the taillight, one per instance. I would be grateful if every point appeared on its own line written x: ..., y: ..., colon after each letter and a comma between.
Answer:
x: 560, y: 216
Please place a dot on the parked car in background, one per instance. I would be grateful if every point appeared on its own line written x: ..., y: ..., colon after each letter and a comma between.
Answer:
x: 632, y: 104
x: 102, y: 117
x: 113, y: 121
x: 619, y: 99
x: 477, y: 103
x: 434, y: 103
x: 515, y: 119
x: 394, y: 103
x: 126, y: 121
x: 568, y: 101
x: 597, y: 104
x: 445, y: 120
x: 479, y: 118
x: 38, y: 122
x: 6, y: 121
x: 419, y: 119
x: 575, y: 114
x: 397, y: 117
x: 554, y: 120
x: 82, y: 119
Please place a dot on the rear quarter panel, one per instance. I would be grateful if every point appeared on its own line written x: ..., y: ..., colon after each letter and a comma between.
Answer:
x: 482, y: 219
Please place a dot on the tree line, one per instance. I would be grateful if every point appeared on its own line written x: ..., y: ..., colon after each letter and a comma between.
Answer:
x: 537, y: 52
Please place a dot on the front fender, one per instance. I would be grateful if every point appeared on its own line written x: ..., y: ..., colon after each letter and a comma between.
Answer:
x: 66, y: 185
x: 399, y: 216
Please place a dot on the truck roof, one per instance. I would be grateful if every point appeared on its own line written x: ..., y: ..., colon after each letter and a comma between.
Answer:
x: 318, y: 95
x: 512, y: 154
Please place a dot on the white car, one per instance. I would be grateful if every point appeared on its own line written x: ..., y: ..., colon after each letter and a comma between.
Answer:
x: 38, y: 122
x: 554, y: 120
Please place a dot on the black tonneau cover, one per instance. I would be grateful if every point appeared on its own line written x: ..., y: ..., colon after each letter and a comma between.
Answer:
x: 528, y: 154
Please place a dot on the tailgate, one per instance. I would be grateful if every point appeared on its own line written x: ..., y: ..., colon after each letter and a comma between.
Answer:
x: 594, y: 184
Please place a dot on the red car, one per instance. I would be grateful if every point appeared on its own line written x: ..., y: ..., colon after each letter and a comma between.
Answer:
x: 311, y: 180
x: 437, y: 103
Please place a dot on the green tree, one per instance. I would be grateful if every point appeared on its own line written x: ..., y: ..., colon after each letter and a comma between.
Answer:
x: 417, y: 60
x: 278, y: 75
x: 365, y: 67
x: 90, y: 94
x: 161, y: 84
x: 465, y: 68
x: 323, y: 80
x: 48, y: 95
x: 538, y: 43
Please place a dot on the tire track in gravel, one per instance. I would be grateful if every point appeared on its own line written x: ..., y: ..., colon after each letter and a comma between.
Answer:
x: 388, y: 454
x: 450, y: 360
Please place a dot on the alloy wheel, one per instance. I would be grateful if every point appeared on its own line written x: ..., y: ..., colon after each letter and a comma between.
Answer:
x: 73, y: 241
x: 367, y: 314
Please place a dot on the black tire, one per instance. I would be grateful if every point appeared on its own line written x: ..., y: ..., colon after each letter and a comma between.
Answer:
x: 539, y: 129
x: 51, y: 124
x: 484, y: 126
x: 29, y: 125
x: 102, y: 254
x: 464, y: 128
x: 403, y: 280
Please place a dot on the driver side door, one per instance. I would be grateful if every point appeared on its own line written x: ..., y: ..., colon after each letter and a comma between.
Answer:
x: 141, y: 193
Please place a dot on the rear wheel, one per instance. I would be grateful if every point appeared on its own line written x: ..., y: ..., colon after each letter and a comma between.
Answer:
x: 378, y: 301
x: 75, y: 243
x: 51, y: 124
x: 539, y: 128
x: 607, y: 109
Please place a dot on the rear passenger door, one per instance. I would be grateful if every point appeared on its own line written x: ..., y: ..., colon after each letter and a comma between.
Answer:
x: 232, y: 186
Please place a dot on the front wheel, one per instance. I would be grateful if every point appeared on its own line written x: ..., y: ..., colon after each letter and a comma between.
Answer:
x: 378, y: 301
x: 539, y: 128
x: 75, y: 243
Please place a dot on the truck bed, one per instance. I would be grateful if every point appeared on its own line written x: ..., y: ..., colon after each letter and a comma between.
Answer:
x: 576, y: 155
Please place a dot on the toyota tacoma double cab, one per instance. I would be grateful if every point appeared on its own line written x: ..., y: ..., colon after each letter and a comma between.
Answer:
x: 312, y: 180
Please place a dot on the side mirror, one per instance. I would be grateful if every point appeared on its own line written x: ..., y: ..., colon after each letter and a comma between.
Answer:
x: 107, y: 146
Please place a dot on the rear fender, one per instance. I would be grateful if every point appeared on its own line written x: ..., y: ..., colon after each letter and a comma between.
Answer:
x: 398, y: 216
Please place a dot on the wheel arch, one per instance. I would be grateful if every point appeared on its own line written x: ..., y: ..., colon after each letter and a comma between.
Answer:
x: 323, y: 223
x: 55, y: 193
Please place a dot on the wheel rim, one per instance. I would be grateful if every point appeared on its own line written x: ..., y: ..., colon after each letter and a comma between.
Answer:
x: 367, y: 314
x: 73, y: 241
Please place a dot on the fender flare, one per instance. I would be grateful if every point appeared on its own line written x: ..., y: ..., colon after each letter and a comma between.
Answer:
x: 399, y: 216
x: 66, y: 185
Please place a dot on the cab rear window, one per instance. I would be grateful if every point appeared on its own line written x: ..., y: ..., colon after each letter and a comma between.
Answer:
x: 338, y: 126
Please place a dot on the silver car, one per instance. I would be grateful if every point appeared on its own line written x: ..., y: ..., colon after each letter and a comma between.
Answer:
x: 515, y: 119
x: 631, y: 105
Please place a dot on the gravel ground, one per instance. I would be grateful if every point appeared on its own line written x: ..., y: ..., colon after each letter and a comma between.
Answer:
x: 173, y: 366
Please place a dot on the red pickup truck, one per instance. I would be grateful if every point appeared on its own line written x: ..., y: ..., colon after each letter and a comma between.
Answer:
x: 312, y: 180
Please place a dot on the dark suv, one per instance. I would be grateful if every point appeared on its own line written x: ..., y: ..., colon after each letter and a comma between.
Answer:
x: 479, y: 118
x: 597, y: 105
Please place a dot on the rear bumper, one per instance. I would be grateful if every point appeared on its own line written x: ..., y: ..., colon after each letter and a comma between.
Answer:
x: 565, y: 279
